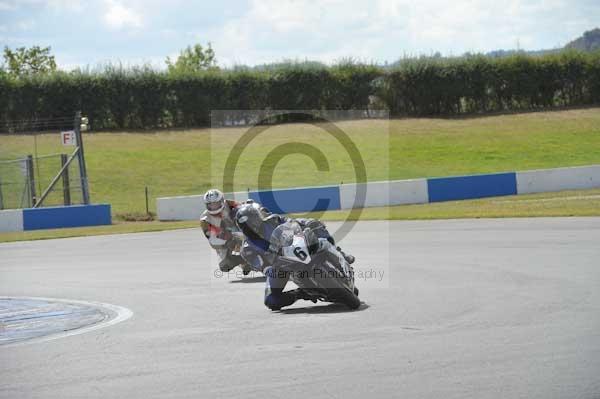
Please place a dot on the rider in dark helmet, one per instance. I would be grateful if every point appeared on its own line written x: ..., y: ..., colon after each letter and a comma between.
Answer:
x: 258, y: 225
x: 250, y: 220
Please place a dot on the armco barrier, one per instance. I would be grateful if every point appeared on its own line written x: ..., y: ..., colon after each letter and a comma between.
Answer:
x: 385, y: 193
x: 11, y: 220
x: 544, y: 180
x: 417, y: 191
x: 279, y: 201
x: 188, y: 207
x: 55, y: 217
x: 467, y: 187
x: 179, y: 208
x: 299, y: 199
x: 66, y: 216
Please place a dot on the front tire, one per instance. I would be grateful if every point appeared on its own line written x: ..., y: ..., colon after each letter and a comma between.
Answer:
x: 338, y: 291
x: 349, y: 299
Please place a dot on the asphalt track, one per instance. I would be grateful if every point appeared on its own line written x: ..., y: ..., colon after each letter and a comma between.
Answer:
x: 470, y: 308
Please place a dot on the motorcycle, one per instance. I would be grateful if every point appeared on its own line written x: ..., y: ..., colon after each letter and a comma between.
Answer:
x: 314, y: 265
x: 235, y: 245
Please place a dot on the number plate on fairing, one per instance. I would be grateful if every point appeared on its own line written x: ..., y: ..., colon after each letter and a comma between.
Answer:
x: 298, y: 251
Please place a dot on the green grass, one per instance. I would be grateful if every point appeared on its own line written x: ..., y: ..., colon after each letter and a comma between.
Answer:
x: 565, y: 203
x: 116, y: 228
x: 121, y: 164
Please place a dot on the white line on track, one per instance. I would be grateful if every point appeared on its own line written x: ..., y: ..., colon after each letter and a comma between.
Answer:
x: 120, y: 314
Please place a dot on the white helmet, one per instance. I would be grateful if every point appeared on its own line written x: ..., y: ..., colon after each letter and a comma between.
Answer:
x: 214, y: 201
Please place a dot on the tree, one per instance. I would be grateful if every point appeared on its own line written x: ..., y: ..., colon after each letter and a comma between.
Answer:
x: 590, y: 41
x: 26, y: 61
x: 193, y: 59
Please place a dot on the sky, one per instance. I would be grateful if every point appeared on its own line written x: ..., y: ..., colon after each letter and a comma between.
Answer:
x: 134, y: 32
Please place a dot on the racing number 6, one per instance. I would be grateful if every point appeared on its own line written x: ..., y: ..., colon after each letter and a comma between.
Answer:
x: 300, y: 253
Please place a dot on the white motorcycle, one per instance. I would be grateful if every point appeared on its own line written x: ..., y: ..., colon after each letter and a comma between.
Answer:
x: 314, y: 265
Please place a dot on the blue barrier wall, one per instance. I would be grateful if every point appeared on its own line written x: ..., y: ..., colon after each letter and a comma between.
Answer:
x: 66, y: 216
x: 476, y: 186
x: 299, y: 199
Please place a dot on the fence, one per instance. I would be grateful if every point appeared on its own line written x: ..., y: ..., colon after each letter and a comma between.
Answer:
x: 58, y: 177
x: 23, y: 181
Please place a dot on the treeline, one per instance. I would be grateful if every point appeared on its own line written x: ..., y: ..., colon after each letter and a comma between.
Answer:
x: 142, y: 98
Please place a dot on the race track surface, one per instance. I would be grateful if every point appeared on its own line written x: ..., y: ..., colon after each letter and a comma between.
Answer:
x: 470, y: 308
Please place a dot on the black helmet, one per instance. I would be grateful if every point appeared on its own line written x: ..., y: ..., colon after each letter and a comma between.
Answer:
x: 250, y: 218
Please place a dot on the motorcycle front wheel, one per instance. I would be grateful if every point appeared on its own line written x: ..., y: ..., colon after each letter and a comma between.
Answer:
x: 333, y: 281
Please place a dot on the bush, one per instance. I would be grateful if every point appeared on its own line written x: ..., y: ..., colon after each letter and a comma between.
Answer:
x: 141, y: 98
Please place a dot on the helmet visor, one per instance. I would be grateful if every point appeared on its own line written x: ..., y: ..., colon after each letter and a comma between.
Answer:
x: 214, y: 206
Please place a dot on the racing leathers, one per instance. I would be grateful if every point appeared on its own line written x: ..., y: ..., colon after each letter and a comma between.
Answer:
x: 223, y: 235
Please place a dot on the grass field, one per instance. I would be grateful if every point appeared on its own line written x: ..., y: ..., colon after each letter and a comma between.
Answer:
x: 186, y: 162
x: 565, y: 203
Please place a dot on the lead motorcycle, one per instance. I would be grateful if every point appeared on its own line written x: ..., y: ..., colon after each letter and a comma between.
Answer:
x: 314, y: 265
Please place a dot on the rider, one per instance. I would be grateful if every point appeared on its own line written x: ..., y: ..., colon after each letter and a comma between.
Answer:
x: 257, y: 225
x: 218, y: 224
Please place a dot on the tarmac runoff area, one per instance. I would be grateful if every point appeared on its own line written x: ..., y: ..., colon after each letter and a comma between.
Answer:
x: 464, y: 308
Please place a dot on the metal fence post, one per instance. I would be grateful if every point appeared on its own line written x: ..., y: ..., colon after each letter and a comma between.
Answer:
x: 1, y: 198
x: 31, y: 180
x: 81, y: 157
x: 65, y: 180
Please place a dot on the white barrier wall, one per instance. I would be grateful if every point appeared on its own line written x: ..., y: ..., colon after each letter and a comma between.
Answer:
x: 420, y: 191
x: 188, y: 207
x: 11, y: 220
x: 180, y: 208
x: 384, y: 193
x: 559, y: 179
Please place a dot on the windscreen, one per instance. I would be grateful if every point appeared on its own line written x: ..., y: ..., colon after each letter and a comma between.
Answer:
x: 283, y: 235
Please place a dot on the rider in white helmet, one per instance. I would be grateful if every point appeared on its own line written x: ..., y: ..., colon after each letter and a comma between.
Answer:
x: 218, y: 224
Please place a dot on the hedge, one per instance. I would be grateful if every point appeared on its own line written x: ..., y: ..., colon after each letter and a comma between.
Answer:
x: 142, y: 98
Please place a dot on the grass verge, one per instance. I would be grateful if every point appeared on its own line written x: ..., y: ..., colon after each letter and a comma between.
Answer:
x: 171, y: 163
x: 115, y: 228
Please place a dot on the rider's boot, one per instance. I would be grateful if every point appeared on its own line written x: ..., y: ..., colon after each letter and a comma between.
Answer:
x: 245, y: 268
x: 230, y: 261
x: 299, y: 293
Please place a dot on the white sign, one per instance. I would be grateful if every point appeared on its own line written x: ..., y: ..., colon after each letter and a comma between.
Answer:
x: 68, y: 138
x: 24, y: 167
